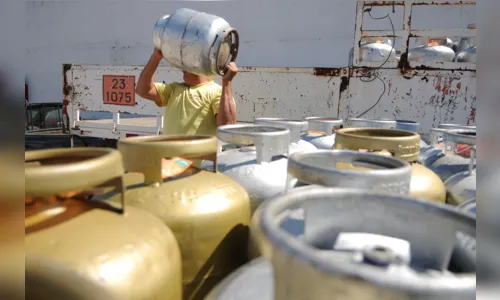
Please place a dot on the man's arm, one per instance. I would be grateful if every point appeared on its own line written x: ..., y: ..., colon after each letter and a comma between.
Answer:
x: 227, y: 107
x: 146, y: 84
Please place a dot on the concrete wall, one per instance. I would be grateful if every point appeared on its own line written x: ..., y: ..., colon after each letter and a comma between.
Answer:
x: 279, y: 33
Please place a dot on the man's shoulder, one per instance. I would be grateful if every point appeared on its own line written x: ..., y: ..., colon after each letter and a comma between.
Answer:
x: 172, y: 84
x: 212, y: 88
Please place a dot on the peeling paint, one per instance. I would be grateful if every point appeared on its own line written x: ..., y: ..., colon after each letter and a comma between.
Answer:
x: 327, y: 71
x: 430, y: 97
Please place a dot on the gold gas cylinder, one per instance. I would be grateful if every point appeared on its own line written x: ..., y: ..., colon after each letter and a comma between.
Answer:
x: 128, y: 252
x: 48, y: 280
x: 208, y: 212
x: 405, y: 145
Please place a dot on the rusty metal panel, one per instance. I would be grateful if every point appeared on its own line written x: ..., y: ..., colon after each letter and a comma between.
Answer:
x: 287, y: 92
x: 430, y: 97
x: 87, y: 87
x: 258, y: 91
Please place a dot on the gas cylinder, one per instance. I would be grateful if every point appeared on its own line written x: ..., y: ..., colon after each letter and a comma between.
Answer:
x: 443, y: 41
x: 467, y: 55
x: 113, y: 246
x: 466, y: 42
x: 410, y: 126
x: 334, y: 168
x: 402, y: 144
x: 359, y: 244
x: 468, y: 206
x: 321, y: 131
x: 435, y: 146
x: 49, y: 280
x: 432, y: 52
x: 456, y: 126
x: 461, y: 187
x: 196, y: 42
x: 252, y: 281
x: 296, y: 128
x: 374, y: 50
x: 446, y: 161
x: 207, y: 211
x: 371, y: 123
x: 260, y: 169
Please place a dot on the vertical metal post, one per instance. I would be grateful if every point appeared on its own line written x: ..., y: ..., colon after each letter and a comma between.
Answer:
x: 360, y: 5
x: 405, y: 38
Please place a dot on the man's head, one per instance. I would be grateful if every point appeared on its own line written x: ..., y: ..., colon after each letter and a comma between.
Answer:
x: 194, y: 79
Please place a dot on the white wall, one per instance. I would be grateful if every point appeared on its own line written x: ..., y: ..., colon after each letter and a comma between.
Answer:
x: 282, y: 33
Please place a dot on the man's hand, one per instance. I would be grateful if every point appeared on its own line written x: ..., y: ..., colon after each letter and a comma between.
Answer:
x: 231, y: 71
x: 157, y: 54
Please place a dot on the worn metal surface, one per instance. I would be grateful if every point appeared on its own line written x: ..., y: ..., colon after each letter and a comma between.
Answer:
x: 430, y: 97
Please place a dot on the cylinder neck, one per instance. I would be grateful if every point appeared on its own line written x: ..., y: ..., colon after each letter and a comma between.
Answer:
x: 335, y: 168
x: 456, y: 126
x: 371, y: 123
x: 145, y: 154
x: 408, y: 125
x: 319, y: 257
x: 402, y: 144
x: 460, y: 136
x: 55, y: 171
x: 58, y: 183
x: 327, y: 126
x: 296, y: 127
x: 268, y: 141
x: 454, y: 137
x: 437, y: 134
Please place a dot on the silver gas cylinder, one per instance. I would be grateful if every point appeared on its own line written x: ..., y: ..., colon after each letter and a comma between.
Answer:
x: 371, y: 123
x: 296, y: 128
x: 466, y: 42
x: 261, y: 166
x: 448, y: 162
x: 433, y: 52
x: 461, y: 187
x: 321, y: 131
x: 196, y: 42
x: 443, y: 41
x: 433, y: 150
x: 410, y: 126
x: 359, y: 244
x: 467, y: 55
x: 456, y: 126
x: 374, y: 50
x: 334, y: 168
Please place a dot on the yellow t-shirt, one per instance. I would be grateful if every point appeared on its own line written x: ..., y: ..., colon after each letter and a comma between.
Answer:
x: 190, y: 110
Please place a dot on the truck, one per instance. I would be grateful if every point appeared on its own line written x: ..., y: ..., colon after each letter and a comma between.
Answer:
x: 428, y: 92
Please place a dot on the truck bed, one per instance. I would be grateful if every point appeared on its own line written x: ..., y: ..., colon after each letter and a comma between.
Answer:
x: 149, y: 121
